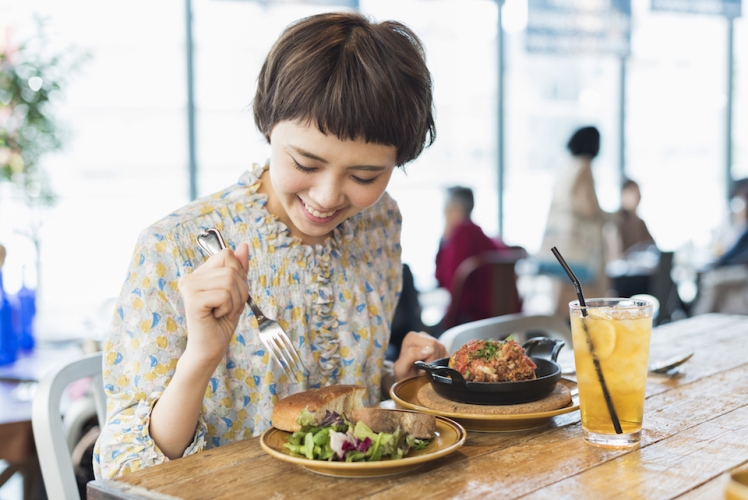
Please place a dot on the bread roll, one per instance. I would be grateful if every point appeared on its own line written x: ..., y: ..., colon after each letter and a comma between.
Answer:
x: 419, y: 425
x: 341, y: 399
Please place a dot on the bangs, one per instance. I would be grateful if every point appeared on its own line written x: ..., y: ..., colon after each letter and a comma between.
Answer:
x: 352, y: 79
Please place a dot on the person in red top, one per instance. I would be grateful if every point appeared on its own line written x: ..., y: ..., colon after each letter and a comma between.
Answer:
x: 462, y: 239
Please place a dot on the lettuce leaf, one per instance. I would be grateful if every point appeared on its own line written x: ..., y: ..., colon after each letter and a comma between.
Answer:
x: 362, y: 431
x: 335, y: 438
x: 306, y: 418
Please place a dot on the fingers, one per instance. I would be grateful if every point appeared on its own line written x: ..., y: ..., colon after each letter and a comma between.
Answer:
x: 219, y: 303
x: 227, y: 258
x: 417, y: 346
x: 434, y: 352
x: 424, y: 345
x: 219, y: 287
x: 242, y: 255
x: 223, y: 291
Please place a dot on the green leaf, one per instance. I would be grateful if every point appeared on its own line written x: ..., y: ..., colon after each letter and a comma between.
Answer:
x: 322, y: 436
x: 309, y: 446
x: 306, y: 418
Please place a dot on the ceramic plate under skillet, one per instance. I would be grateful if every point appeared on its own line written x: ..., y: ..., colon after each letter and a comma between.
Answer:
x: 450, y: 384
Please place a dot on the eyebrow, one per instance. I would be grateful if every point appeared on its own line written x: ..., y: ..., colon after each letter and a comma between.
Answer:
x: 312, y: 156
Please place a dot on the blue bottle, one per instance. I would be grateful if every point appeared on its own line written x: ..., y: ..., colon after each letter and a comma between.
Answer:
x: 8, y: 336
x: 27, y: 309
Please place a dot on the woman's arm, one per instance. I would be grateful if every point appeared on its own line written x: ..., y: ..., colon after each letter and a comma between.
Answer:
x: 175, y: 415
x: 214, y: 297
x: 148, y: 340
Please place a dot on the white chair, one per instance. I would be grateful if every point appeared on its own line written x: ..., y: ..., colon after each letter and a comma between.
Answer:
x: 49, y: 431
x: 501, y: 327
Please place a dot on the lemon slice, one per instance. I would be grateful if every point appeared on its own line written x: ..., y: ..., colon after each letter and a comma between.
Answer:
x: 603, y: 335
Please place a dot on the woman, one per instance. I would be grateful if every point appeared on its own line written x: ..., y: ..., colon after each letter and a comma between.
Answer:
x: 314, y: 239
x: 575, y: 224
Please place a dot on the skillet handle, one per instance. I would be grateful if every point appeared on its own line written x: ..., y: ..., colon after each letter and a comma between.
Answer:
x: 548, y: 347
x: 457, y: 379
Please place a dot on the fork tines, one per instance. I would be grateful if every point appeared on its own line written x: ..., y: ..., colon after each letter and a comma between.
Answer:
x: 284, y: 352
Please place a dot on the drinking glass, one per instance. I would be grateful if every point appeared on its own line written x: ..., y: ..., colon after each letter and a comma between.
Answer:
x: 611, y: 352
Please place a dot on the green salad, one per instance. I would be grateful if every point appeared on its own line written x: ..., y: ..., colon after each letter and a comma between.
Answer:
x: 337, y: 439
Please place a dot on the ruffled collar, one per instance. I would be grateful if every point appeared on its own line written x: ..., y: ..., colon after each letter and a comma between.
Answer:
x: 271, y: 226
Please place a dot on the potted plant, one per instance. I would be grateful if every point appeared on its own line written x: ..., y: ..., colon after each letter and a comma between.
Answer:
x: 32, y: 80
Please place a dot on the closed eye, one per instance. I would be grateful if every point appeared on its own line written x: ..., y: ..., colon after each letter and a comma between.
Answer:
x: 299, y: 166
x: 364, y: 181
x: 309, y: 170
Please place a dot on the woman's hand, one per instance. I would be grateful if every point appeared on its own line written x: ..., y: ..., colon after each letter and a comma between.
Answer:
x: 214, y: 298
x: 417, y: 346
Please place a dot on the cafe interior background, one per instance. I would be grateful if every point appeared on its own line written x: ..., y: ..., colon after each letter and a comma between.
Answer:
x: 154, y: 111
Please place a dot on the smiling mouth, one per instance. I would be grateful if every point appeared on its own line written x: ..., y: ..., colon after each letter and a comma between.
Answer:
x: 319, y: 215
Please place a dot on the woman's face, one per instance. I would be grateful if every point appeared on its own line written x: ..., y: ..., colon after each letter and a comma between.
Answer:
x: 317, y: 181
x: 630, y: 198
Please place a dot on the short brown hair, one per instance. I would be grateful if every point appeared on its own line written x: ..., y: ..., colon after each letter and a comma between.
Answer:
x: 352, y: 78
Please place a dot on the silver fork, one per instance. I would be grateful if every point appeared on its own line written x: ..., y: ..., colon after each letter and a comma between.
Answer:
x: 272, y: 335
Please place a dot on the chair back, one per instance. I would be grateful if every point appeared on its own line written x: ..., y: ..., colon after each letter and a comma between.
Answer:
x: 501, y: 327
x: 664, y: 289
x: 494, y: 268
x: 49, y: 432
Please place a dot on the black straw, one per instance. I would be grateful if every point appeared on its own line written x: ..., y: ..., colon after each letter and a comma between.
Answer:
x: 595, y: 361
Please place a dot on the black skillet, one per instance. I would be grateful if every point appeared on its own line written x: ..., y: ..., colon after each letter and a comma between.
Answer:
x: 450, y: 384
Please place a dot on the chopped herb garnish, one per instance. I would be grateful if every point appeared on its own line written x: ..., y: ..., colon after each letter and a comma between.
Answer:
x: 489, y: 350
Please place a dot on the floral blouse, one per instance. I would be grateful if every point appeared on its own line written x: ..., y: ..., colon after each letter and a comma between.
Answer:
x: 335, y: 301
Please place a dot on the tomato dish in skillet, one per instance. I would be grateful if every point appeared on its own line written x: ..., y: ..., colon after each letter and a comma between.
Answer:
x: 493, y: 361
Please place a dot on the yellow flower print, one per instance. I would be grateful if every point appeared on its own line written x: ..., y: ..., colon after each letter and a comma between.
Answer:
x: 171, y: 325
x: 160, y: 269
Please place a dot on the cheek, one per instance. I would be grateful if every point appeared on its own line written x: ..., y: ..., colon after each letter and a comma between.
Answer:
x: 288, y: 180
x: 364, y: 197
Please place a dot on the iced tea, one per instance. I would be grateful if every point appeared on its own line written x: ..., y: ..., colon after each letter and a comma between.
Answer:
x: 619, y: 331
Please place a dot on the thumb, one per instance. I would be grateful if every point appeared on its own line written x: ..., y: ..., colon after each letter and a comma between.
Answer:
x: 242, y: 254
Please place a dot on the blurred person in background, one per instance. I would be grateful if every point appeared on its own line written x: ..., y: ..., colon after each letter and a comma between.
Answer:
x: 737, y: 253
x: 462, y: 238
x: 632, y: 230
x: 724, y: 287
x: 575, y: 225
x: 735, y: 221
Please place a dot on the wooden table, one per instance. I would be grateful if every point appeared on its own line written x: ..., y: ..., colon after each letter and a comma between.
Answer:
x: 695, y: 430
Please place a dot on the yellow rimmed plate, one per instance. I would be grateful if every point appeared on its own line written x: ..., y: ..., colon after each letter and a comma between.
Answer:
x: 405, y: 395
x: 449, y: 437
x: 737, y: 486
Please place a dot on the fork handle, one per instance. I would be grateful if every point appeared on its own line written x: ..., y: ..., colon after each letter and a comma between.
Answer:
x: 255, y: 310
x: 212, y: 242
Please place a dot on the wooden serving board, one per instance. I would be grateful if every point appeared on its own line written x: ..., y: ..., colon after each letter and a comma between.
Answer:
x: 560, y: 397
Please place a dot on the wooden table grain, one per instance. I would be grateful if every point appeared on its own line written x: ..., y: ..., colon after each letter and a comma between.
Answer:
x: 695, y: 431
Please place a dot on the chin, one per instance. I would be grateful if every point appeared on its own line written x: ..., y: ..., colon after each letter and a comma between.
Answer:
x: 314, y: 230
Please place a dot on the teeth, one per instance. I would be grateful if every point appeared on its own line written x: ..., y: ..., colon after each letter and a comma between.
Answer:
x: 321, y: 215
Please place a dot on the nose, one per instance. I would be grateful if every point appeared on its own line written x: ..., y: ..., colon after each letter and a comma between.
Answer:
x: 327, y: 193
